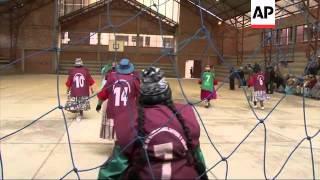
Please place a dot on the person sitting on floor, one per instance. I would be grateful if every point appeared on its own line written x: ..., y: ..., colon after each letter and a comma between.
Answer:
x: 290, y: 86
x: 315, y: 91
x: 309, y: 83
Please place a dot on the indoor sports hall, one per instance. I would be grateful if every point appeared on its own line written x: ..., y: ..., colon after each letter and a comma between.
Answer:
x: 241, y: 136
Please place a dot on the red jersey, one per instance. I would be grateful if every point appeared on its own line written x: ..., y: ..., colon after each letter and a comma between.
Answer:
x: 311, y: 83
x: 79, y: 81
x: 135, y: 73
x: 107, y: 74
x: 165, y: 143
x: 258, y: 81
x: 121, y: 91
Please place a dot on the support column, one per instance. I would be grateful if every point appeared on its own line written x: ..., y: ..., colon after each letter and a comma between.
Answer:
x: 313, y: 32
x: 175, y: 48
x: 242, y: 40
x: 222, y: 44
x: 316, y: 32
x: 22, y: 61
x: 239, y: 52
x: 137, y: 53
x: 264, y: 47
x: 309, y: 32
x: 267, y: 51
x: 56, y: 37
x: 237, y: 44
x: 271, y: 45
x: 177, y: 59
x: 11, y: 37
x: 99, y: 47
x: 14, y: 33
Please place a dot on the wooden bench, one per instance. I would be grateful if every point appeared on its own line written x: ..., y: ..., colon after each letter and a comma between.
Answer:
x: 4, y: 60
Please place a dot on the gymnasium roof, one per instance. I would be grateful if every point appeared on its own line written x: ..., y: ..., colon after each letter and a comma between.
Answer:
x: 234, y: 12
x: 225, y: 9
x: 9, y: 5
x: 237, y: 12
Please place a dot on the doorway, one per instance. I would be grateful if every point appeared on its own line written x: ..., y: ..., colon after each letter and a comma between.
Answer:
x: 193, y: 69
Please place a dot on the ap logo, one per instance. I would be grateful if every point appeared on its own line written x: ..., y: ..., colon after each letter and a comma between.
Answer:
x: 263, y: 13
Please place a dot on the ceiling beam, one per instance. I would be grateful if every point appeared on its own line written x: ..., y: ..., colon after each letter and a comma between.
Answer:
x: 235, y: 8
x: 283, y: 9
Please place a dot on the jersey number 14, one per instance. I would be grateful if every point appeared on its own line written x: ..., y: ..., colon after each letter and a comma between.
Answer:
x: 121, y: 95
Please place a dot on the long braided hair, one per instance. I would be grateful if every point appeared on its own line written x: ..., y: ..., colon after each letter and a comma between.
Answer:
x: 192, y: 160
x: 140, y: 160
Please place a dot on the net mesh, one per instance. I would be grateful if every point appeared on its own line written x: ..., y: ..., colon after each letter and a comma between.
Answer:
x: 201, y: 33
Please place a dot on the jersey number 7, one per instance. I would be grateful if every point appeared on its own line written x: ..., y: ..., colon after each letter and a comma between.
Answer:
x: 208, y: 77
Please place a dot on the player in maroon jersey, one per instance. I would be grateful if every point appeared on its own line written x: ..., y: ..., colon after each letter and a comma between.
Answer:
x: 121, y: 90
x: 257, y: 80
x: 167, y: 133
x: 78, y: 84
x: 105, y: 131
x: 105, y: 72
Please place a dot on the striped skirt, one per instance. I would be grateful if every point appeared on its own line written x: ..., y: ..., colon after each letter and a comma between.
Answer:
x: 259, y: 96
x: 76, y: 104
x: 107, y: 125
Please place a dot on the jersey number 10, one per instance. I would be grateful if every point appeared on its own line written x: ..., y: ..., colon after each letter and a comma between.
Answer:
x: 79, y: 81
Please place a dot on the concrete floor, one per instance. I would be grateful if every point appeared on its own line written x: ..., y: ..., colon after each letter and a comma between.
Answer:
x: 41, y: 151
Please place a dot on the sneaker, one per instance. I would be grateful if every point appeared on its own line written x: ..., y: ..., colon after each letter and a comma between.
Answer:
x: 262, y: 108
x: 207, y: 104
x: 78, y: 118
x: 255, y: 106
